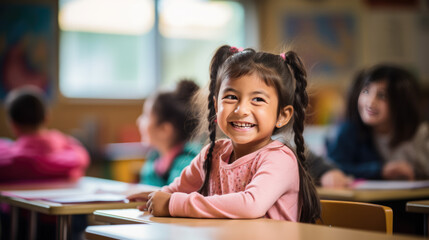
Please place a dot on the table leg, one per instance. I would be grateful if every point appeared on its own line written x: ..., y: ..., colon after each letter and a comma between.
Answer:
x: 33, y: 225
x: 14, y: 223
x: 63, y: 227
x: 426, y: 224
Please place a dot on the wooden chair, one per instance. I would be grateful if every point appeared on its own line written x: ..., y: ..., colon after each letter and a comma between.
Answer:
x: 356, y: 215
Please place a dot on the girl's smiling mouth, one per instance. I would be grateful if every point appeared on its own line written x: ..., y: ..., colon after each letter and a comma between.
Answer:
x: 371, y: 112
x: 242, y: 125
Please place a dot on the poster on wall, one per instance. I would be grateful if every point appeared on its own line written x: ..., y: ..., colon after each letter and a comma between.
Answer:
x: 326, y: 41
x: 27, y: 46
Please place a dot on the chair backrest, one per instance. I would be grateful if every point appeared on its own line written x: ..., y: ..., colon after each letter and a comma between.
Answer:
x: 357, y: 215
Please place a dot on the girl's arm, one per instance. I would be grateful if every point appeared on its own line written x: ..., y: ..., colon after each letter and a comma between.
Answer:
x: 190, y: 180
x: 276, y: 177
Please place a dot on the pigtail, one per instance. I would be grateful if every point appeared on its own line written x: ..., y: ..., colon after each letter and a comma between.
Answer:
x: 187, y: 118
x: 218, y: 59
x: 307, y: 192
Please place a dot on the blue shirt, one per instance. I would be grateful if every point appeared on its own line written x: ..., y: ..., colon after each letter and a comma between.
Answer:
x: 355, y: 154
x: 149, y: 176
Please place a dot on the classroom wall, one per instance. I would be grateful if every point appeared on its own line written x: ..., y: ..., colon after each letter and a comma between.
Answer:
x: 102, y: 121
x: 83, y: 117
x: 385, y: 31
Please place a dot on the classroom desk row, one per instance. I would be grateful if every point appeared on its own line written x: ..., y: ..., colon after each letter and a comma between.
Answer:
x: 228, y: 230
x: 420, y: 207
x: 65, y: 210
x: 141, y: 225
x: 27, y: 196
x: 366, y: 195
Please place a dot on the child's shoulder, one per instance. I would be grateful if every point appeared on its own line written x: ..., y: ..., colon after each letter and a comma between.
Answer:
x: 276, y: 147
x: 422, y: 133
x: 276, y: 153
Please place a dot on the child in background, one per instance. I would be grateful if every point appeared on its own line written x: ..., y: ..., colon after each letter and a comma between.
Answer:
x: 38, y: 153
x: 384, y: 136
x: 167, y: 124
x: 252, y: 95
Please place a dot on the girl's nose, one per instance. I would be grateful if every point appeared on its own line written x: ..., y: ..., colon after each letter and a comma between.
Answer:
x: 372, y: 100
x: 241, y: 109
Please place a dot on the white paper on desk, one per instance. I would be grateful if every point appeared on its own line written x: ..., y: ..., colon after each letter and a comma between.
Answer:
x: 88, y: 198
x: 389, y: 184
x: 51, y: 193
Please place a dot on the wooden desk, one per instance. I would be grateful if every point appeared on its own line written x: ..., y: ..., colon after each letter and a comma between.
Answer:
x: 372, y: 195
x: 64, y: 211
x: 134, y: 216
x: 233, y: 230
x: 420, y: 207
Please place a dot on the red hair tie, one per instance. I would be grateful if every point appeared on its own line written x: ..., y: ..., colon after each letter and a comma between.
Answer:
x: 235, y: 50
x: 282, y: 55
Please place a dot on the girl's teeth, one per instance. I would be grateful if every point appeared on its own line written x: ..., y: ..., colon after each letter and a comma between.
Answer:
x: 242, y: 124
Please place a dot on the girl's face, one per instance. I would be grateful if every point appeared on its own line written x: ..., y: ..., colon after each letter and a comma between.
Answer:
x: 247, y: 111
x: 151, y: 131
x: 373, y: 106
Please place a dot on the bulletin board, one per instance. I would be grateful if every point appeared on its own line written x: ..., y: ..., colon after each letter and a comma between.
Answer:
x: 325, y: 41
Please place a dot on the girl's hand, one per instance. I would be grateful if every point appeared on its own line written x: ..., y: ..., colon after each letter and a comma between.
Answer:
x: 398, y: 170
x: 335, y: 178
x: 157, y: 204
x: 139, y: 197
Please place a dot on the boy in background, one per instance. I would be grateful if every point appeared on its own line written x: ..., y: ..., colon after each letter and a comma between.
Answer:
x: 38, y: 153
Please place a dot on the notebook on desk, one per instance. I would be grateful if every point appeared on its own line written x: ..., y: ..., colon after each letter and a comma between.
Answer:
x: 389, y: 184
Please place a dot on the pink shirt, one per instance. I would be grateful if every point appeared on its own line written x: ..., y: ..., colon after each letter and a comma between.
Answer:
x: 45, y: 155
x: 264, y: 183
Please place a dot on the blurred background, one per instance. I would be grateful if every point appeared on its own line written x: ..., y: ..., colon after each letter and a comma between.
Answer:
x: 99, y: 59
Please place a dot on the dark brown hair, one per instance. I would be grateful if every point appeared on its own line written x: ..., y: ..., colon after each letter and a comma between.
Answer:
x: 288, y: 77
x: 26, y: 107
x: 402, y: 96
x: 176, y: 108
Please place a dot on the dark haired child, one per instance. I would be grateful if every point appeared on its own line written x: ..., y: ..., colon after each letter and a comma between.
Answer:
x: 252, y: 95
x: 38, y: 153
x: 384, y: 136
x: 167, y: 124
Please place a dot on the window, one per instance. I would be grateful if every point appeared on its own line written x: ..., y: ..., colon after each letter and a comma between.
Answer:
x: 125, y: 49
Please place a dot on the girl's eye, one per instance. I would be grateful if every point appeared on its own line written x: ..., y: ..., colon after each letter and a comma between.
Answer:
x: 365, y: 90
x: 381, y: 95
x: 230, y: 97
x: 259, y: 99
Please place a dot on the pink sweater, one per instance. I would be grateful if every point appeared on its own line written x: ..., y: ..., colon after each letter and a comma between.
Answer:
x: 46, y: 155
x: 264, y: 183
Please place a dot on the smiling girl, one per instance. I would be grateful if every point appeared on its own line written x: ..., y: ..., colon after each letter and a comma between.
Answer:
x: 252, y: 95
x: 384, y: 136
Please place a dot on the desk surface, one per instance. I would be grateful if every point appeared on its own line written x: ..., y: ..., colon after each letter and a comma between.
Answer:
x: 418, y: 206
x: 85, y: 183
x: 133, y: 216
x: 230, y: 229
x: 372, y: 195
